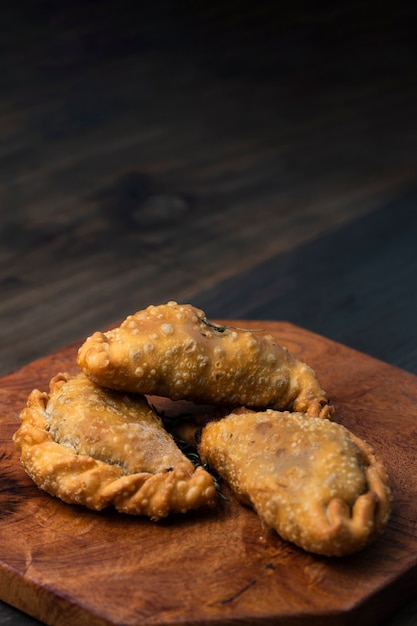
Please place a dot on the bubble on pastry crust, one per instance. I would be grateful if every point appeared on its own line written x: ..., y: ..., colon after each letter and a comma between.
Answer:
x: 181, y: 314
x: 192, y: 494
x: 189, y: 345
x: 280, y: 382
x: 203, y: 360
x: 252, y: 342
x: 167, y: 329
x: 97, y: 359
x: 99, y: 337
x: 136, y: 354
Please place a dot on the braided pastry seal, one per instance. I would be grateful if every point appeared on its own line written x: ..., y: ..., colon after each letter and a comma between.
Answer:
x: 92, y: 446
x: 313, y: 481
x: 172, y: 350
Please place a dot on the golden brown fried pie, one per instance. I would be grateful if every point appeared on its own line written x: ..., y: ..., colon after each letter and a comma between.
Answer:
x: 92, y: 446
x: 172, y: 350
x: 312, y: 480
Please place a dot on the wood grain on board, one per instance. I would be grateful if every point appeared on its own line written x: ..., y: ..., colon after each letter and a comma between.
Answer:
x: 64, y: 564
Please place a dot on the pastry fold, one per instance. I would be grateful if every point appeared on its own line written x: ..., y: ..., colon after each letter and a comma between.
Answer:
x: 96, y: 447
x: 312, y: 480
x: 172, y: 350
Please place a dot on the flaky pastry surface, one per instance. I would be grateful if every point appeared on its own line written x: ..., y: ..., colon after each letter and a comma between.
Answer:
x: 93, y: 446
x: 312, y: 480
x: 172, y: 350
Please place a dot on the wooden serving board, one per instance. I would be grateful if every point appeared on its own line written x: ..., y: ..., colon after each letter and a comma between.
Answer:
x: 66, y: 565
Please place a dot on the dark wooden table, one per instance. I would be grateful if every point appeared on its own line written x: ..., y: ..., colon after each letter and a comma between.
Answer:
x: 258, y: 161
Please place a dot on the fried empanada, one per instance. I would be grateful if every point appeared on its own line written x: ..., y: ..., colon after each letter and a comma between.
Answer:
x: 313, y: 481
x: 173, y: 351
x: 93, y: 446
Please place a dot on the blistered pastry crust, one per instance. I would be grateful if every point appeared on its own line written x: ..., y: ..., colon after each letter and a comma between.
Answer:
x: 172, y: 350
x: 313, y: 481
x: 89, y: 446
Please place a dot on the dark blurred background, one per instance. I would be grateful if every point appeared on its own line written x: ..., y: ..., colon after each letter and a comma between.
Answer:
x: 248, y: 157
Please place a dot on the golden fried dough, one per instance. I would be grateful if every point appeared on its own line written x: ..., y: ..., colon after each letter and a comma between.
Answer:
x: 173, y: 351
x: 312, y: 480
x: 92, y: 446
